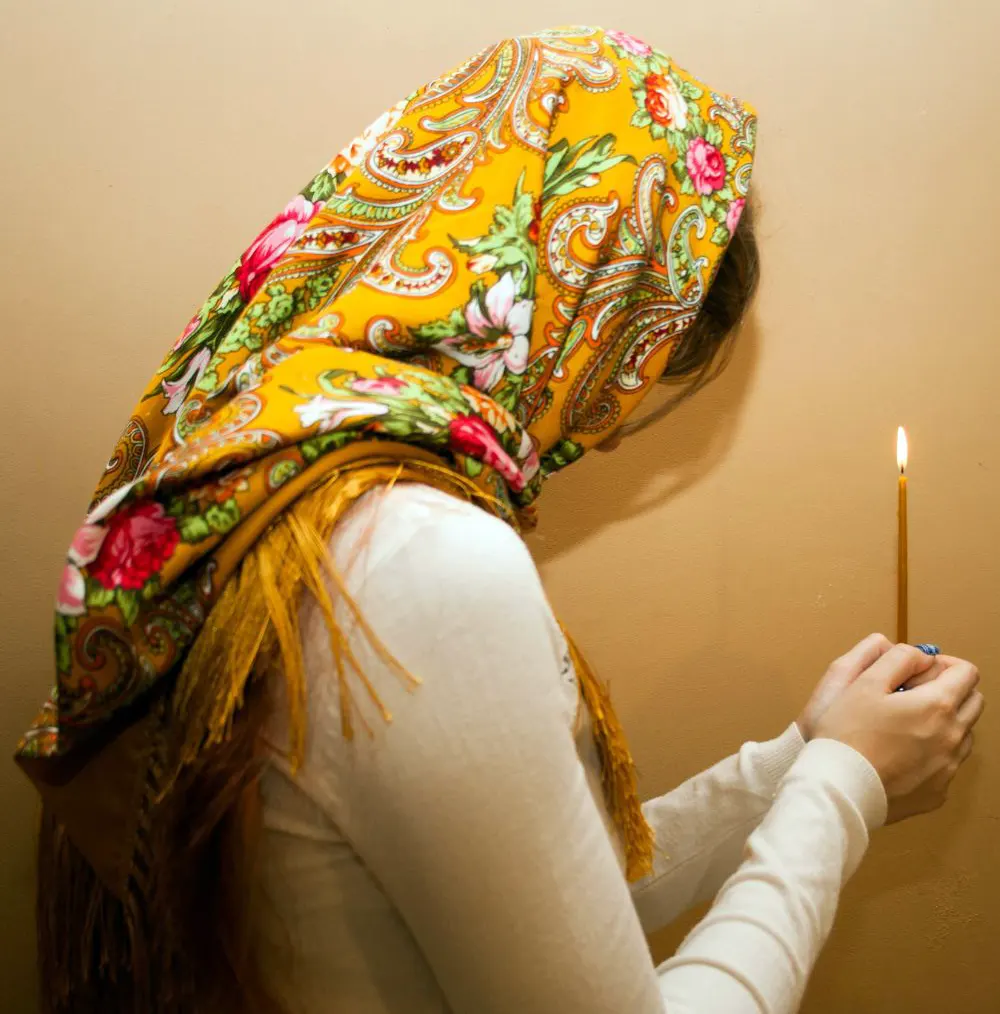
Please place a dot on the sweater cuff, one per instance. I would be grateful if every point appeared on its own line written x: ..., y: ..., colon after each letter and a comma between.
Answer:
x: 776, y: 756
x: 831, y: 761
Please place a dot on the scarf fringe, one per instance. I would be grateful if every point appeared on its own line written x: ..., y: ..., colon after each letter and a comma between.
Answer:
x: 621, y: 791
x: 255, y: 623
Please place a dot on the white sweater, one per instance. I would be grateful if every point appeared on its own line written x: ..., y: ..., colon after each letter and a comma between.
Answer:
x: 461, y: 858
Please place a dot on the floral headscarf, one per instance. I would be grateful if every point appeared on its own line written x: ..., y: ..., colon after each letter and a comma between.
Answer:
x: 495, y: 272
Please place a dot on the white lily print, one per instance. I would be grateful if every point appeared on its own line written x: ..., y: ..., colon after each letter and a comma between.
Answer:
x: 177, y: 390
x: 497, y: 341
x: 329, y: 413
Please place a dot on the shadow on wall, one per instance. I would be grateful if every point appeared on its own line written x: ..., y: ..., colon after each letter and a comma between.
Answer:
x: 651, y: 467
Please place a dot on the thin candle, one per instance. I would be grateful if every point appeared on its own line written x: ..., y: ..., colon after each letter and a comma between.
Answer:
x: 902, y: 564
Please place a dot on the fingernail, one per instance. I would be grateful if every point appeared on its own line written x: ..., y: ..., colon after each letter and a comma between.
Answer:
x: 929, y: 649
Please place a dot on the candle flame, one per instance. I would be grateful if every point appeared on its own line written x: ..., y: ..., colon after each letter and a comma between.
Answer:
x: 902, y: 450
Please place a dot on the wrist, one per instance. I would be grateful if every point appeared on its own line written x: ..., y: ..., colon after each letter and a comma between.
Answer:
x: 804, y: 727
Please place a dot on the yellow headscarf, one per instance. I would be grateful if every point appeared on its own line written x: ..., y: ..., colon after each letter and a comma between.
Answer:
x: 473, y: 293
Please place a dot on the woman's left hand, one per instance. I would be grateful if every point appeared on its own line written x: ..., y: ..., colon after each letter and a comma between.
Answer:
x: 840, y: 675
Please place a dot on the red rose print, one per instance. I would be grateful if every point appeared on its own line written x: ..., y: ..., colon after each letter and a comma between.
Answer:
x: 471, y: 436
x: 270, y: 246
x: 534, y: 229
x: 139, y: 541
x: 705, y: 166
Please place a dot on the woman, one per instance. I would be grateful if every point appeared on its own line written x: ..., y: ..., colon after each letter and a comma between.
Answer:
x: 479, y: 289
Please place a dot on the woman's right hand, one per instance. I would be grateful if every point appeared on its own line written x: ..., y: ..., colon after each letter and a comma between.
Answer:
x: 916, y: 740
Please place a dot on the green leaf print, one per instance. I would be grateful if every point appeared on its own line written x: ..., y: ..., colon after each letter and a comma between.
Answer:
x: 97, y: 596
x: 463, y: 375
x: 240, y: 336
x: 688, y: 88
x: 318, y: 287
x: 564, y: 453
x: 433, y: 331
x: 721, y: 235
x: 713, y: 134
x: 507, y: 240
x: 128, y: 603
x: 570, y: 168
x: 396, y: 426
x: 223, y: 517
x: 209, y: 381
x: 320, y: 187
x: 193, y: 528
x: 329, y: 380
x: 508, y: 396
x: 315, y: 447
x: 62, y: 639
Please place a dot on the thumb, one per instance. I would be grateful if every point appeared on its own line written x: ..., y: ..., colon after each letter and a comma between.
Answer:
x: 900, y: 663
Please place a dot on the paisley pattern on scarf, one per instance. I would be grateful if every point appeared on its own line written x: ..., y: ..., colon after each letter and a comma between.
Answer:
x: 496, y: 271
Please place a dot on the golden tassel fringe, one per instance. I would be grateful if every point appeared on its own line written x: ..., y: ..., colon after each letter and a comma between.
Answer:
x: 255, y: 619
x: 621, y: 791
x: 255, y: 623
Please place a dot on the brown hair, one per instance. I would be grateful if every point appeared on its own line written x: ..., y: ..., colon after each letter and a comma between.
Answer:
x: 705, y: 349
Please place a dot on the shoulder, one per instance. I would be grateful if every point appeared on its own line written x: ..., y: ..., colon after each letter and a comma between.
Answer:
x: 453, y: 594
x: 433, y: 543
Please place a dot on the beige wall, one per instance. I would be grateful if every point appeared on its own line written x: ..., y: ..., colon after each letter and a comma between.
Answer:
x: 711, y: 566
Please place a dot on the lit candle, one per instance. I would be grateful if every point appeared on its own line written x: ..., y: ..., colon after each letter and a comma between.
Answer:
x: 902, y: 575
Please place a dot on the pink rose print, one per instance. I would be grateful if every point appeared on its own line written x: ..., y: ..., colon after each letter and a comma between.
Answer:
x: 270, y: 246
x: 138, y: 542
x: 705, y: 166
x: 470, y: 435
x: 382, y: 385
x: 187, y: 332
x: 529, y: 455
x: 497, y: 341
x: 83, y: 550
x: 734, y: 214
x: 632, y: 45
x: 69, y: 597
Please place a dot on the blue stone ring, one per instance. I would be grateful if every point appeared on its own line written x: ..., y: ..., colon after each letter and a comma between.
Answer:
x: 927, y: 649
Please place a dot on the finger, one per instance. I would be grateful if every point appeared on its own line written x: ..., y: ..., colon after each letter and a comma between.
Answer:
x: 971, y: 709
x: 863, y: 655
x: 965, y: 747
x: 900, y: 663
x: 958, y: 681
x: 929, y: 675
